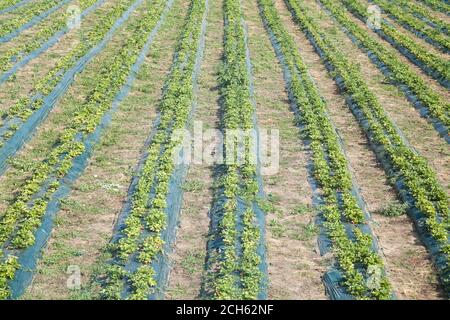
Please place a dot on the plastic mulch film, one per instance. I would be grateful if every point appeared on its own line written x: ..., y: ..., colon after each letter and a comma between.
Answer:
x: 215, y: 243
x: 161, y: 264
x: 25, y: 131
x: 418, y: 33
x: 333, y: 278
x: 439, y: 258
x: 45, y: 46
x: 442, y: 129
x: 29, y: 257
x: 32, y: 22
x: 14, y: 6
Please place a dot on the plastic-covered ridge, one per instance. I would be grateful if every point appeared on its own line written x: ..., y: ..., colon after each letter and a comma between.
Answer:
x: 421, y: 34
x: 434, y: 72
x: 236, y: 266
x: 424, y: 14
x: 439, y: 5
x: 440, y: 259
x: 425, y: 112
x: 259, y: 213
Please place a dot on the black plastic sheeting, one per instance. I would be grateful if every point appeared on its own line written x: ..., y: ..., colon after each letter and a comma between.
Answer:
x: 442, y: 129
x: 161, y: 264
x: 26, y: 129
x: 29, y: 257
x: 439, y: 258
x: 411, y: 57
x: 32, y: 22
x: 45, y: 46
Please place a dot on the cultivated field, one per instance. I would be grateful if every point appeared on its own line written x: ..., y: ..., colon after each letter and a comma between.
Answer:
x: 225, y: 149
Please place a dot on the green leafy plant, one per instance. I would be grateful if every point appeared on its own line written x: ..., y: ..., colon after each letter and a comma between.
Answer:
x: 26, y: 106
x: 438, y: 5
x: 402, y: 73
x: 23, y: 217
x: 406, y: 18
x: 236, y: 276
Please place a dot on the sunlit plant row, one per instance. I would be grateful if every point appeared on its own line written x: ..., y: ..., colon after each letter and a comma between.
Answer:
x: 141, y: 239
x: 409, y: 170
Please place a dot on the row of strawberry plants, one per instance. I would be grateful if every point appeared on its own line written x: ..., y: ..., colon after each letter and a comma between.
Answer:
x: 411, y: 174
x: 343, y: 216
x: 234, y: 264
x: 47, y: 87
x: 24, y: 14
x: 425, y: 14
x: 438, y: 5
x: 400, y: 73
x: 22, y: 218
x: 7, y: 5
x: 25, y: 46
x: 141, y: 239
x: 406, y: 19
x: 429, y: 62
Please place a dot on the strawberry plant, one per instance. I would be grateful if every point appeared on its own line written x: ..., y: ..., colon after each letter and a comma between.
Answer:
x: 424, y: 13
x: 25, y: 106
x: 418, y: 54
x: 438, y: 5
x: 402, y: 74
x: 8, y: 3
